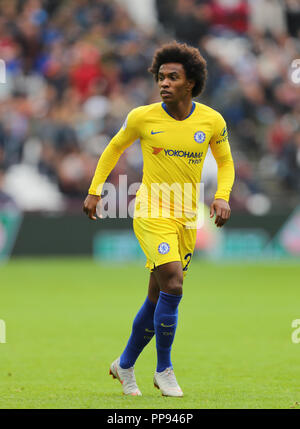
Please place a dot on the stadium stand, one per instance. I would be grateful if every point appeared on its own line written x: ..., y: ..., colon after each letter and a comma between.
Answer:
x: 74, y: 69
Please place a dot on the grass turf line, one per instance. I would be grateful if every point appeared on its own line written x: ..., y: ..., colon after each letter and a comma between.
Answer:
x: 68, y: 319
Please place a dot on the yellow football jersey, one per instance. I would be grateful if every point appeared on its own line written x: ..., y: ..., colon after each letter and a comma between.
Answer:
x: 173, y: 152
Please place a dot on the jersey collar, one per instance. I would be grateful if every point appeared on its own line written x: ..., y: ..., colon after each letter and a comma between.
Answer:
x: 164, y: 106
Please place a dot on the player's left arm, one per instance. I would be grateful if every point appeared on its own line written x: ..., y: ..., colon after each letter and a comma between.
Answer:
x: 221, y: 151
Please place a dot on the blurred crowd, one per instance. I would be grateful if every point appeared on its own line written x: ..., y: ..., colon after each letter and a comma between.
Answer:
x: 74, y: 69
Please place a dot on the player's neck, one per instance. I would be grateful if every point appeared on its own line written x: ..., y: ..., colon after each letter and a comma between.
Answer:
x: 180, y: 110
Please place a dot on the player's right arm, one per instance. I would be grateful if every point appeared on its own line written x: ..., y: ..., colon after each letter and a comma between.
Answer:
x: 109, y: 158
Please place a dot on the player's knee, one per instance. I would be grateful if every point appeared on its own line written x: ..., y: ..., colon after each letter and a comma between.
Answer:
x: 170, y: 278
x: 173, y: 290
x: 173, y: 285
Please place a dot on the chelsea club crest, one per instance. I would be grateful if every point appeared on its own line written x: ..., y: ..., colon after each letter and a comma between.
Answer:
x: 199, y: 136
x: 163, y: 248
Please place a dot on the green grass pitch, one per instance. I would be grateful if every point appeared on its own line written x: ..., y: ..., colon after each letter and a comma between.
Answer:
x: 68, y: 319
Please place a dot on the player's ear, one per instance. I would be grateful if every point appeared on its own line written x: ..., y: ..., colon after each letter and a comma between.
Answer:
x: 190, y: 85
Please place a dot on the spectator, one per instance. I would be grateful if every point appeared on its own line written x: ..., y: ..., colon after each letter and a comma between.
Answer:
x: 230, y: 15
x: 293, y: 17
x: 6, y: 201
x: 268, y: 17
x: 289, y: 165
x: 190, y: 21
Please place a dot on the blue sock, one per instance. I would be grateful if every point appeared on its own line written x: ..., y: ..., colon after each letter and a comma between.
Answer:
x: 165, y: 323
x: 141, y: 334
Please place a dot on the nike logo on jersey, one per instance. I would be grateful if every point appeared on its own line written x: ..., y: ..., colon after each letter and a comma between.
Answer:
x: 167, y: 326
x: 156, y: 132
x: 149, y: 330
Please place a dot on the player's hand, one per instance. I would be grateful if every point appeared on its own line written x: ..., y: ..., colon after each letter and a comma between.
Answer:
x: 90, y: 205
x: 222, y: 210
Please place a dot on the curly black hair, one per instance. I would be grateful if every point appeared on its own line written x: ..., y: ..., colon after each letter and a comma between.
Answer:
x: 191, y: 59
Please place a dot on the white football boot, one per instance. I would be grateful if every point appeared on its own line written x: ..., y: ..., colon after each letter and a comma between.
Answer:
x: 167, y: 383
x: 126, y: 377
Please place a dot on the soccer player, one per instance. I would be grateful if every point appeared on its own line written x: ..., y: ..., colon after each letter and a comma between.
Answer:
x: 174, y: 135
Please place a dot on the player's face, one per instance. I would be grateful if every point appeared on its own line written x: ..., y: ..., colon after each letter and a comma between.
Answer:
x: 173, y: 84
